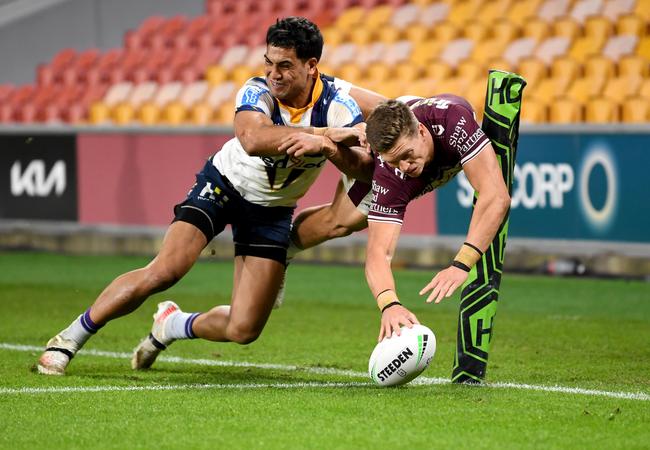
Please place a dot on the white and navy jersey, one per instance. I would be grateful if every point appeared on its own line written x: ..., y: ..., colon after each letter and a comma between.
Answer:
x: 281, y: 180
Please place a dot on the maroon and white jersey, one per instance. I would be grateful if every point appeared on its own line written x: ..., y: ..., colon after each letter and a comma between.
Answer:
x: 457, y: 139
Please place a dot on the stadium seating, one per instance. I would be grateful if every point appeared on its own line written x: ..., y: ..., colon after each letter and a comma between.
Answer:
x: 590, y: 56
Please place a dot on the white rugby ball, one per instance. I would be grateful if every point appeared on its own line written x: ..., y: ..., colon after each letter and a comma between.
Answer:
x: 399, y: 359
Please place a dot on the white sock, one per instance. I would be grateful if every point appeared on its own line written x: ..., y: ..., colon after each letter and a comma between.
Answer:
x: 81, y: 329
x: 292, y: 251
x: 179, y: 326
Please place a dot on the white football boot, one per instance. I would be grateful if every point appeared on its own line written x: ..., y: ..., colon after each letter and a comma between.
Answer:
x: 58, y: 353
x: 148, y: 350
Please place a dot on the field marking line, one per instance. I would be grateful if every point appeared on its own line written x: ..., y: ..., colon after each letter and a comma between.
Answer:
x: 321, y: 371
x: 177, y: 387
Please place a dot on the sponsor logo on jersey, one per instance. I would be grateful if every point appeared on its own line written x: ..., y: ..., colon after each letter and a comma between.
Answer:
x: 252, y: 95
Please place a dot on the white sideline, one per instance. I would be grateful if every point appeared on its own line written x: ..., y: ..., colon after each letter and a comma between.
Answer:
x: 290, y: 368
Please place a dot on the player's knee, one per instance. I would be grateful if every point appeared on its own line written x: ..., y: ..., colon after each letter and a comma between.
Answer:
x: 160, y: 278
x: 242, y: 333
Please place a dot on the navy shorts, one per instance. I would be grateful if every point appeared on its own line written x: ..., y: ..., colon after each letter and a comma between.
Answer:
x: 213, y: 203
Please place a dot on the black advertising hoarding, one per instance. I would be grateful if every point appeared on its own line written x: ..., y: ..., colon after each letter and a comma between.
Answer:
x: 38, y: 176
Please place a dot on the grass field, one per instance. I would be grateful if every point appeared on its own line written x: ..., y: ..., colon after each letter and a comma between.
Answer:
x: 569, y: 367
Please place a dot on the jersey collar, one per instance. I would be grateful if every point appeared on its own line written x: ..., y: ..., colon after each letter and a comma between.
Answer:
x: 296, y: 113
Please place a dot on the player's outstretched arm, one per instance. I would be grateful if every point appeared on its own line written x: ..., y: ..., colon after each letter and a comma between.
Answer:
x: 260, y: 137
x: 484, y: 174
x: 382, y: 241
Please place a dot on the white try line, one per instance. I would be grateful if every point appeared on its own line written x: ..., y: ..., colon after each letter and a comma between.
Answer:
x: 177, y: 387
x: 289, y: 368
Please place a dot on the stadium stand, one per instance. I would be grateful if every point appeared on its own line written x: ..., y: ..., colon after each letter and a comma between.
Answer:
x: 591, y: 57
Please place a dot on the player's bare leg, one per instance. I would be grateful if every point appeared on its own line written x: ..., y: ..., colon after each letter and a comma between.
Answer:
x: 180, y: 250
x: 255, y: 287
x: 256, y: 283
x: 316, y: 225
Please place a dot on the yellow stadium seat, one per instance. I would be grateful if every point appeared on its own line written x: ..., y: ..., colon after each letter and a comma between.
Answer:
x: 537, y: 29
x: 534, y: 110
x: 456, y: 86
x: 582, y: 89
x: 426, y: 51
x: 599, y: 66
x: 475, y: 94
x: 350, y: 18
x: 240, y: 74
x: 490, y: 12
x: 445, y: 32
x: 437, y: 70
x: 333, y: 36
x: 416, y: 33
x: 566, y: 67
x: 521, y: 11
x: 620, y: 88
x: 463, y: 11
x: 392, y: 88
x: 505, y: 31
x: 549, y: 88
x: 378, y: 17
x: 633, y: 65
x: 585, y: 47
x: 388, y: 34
x: 565, y: 110
x: 642, y: 9
x: 601, y: 110
x: 350, y: 72
x: 379, y: 71
x: 631, y: 24
x: 635, y: 110
x: 99, y: 113
x: 499, y: 64
x: 487, y: 50
x: 425, y: 87
x: 644, y: 91
x: 174, y: 113
x: 598, y: 27
x: 532, y: 69
x: 566, y: 27
x: 123, y: 113
x: 470, y: 70
x: 149, y: 113
x: 201, y: 114
x: 408, y: 72
x: 225, y: 114
x: 361, y: 36
x: 475, y: 31
x: 215, y: 75
x: 644, y: 47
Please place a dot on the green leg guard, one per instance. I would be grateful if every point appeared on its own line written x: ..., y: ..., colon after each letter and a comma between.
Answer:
x: 480, y: 293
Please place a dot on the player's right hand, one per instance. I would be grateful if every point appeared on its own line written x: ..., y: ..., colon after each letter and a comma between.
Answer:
x: 392, y: 320
x: 348, y: 136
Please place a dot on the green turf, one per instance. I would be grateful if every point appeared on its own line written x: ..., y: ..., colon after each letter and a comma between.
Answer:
x: 582, y: 333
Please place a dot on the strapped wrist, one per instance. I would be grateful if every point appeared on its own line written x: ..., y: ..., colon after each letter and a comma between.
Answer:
x: 467, y: 256
x: 385, y: 298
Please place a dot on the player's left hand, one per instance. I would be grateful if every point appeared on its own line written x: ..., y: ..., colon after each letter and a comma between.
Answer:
x: 299, y: 144
x: 444, y: 283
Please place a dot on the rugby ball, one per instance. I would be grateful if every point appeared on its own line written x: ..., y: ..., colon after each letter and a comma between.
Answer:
x: 399, y: 359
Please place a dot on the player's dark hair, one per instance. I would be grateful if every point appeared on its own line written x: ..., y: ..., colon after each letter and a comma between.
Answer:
x: 387, y: 123
x: 297, y: 33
